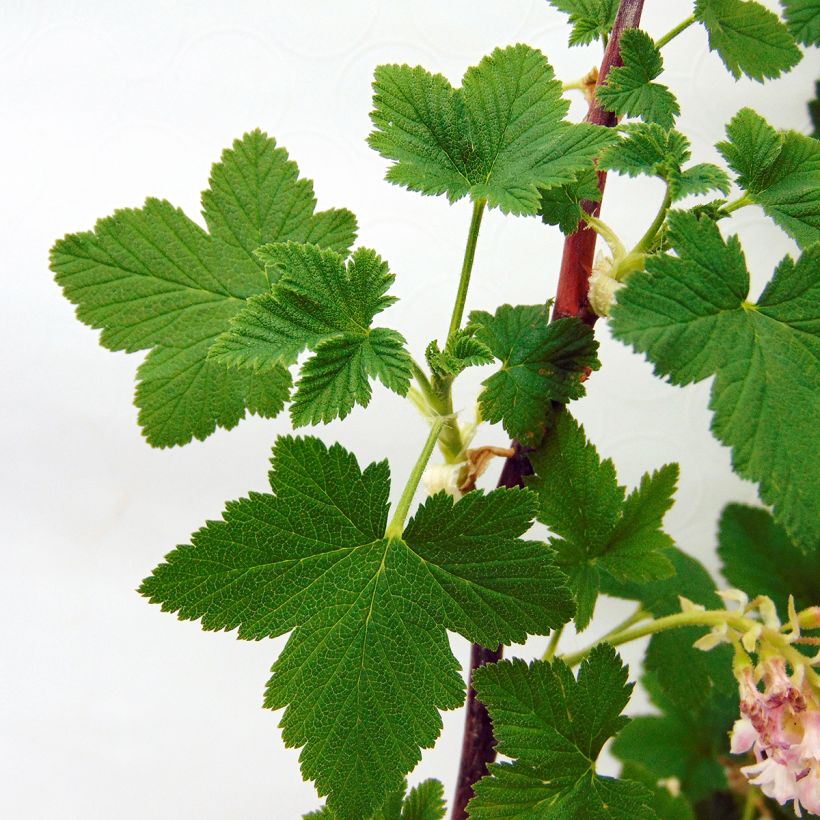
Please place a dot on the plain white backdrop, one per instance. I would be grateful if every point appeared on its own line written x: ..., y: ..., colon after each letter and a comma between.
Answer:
x: 109, y: 708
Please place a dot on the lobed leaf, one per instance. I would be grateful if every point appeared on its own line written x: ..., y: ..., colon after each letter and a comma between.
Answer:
x: 501, y: 137
x: 749, y: 38
x: 554, y: 726
x: 324, y: 304
x: 598, y: 530
x: 151, y: 279
x: 368, y: 664
x: 629, y: 90
x: 780, y: 172
x: 690, y: 314
x: 541, y: 362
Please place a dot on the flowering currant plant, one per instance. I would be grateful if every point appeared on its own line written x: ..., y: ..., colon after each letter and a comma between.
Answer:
x: 271, y: 306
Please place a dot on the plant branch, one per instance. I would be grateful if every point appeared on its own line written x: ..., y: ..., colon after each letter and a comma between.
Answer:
x: 396, y: 526
x: 478, y: 746
x: 672, y: 33
x: 579, y: 248
x: 467, y: 266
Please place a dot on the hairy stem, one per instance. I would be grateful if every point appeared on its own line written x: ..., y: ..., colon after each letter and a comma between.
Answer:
x: 467, y: 266
x: 396, y: 526
x: 646, y: 240
x: 672, y: 33
x: 478, y: 747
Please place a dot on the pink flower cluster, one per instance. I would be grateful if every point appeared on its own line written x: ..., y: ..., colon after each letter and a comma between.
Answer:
x: 781, y: 725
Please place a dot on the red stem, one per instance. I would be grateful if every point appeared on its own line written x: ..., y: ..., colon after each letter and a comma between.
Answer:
x: 478, y: 745
x: 579, y: 248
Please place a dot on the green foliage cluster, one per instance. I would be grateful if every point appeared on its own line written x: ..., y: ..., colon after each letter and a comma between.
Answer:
x: 272, y: 307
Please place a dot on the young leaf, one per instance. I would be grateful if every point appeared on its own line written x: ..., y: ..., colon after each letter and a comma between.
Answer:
x: 553, y: 726
x: 368, y: 664
x: 748, y: 37
x: 649, y: 149
x: 691, y: 317
x: 462, y: 350
x: 422, y: 802
x: 629, y: 90
x: 686, y: 675
x: 780, y: 172
x: 803, y: 20
x: 321, y: 303
x: 541, y: 362
x: 590, y: 19
x: 686, y: 741
x: 151, y: 279
x: 499, y: 138
x: 759, y: 558
x: 561, y: 205
x: 597, y: 527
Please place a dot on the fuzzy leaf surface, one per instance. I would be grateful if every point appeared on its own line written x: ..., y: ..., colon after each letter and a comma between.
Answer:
x: 152, y: 279
x: 690, y: 315
x: 554, y: 726
x: 541, y: 362
x: 323, y: 303
x: 629, y: 90
x: 654, y: 151
x: 803, y: 20
x: 590, y: 19
x: 780, y: 170
x: 368, y: 664
x: 562, y: 206
x: 500, y: 137
x: 598, y: 528
x: 749, y: 38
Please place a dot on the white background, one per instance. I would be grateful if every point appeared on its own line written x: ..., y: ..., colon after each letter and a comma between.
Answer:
x: 108, y: 708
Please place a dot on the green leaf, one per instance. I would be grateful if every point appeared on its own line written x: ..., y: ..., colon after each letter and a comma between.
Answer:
x: 779, y: 170
x: 803, y: 20
x: 699, y: 179
x: 649, y: 149
x: 814, y: 111
x: 321, y: 303
x: 759, y: 558
x: 664, y: 803
x: 629, y: 90
x: 689, y: 313
x: 562, y: 206
x: 368, y: 664
x: 499, y: 138
x: 422, y: 802
x: 687, y: 741
x: 590, y: 19
x: 685, y: 675
x: 749, y: 38
x: 597, y: 528
x: 462, y: 350
x: 541, y: 362
x: 554, y: 727
x: 151, y: 279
